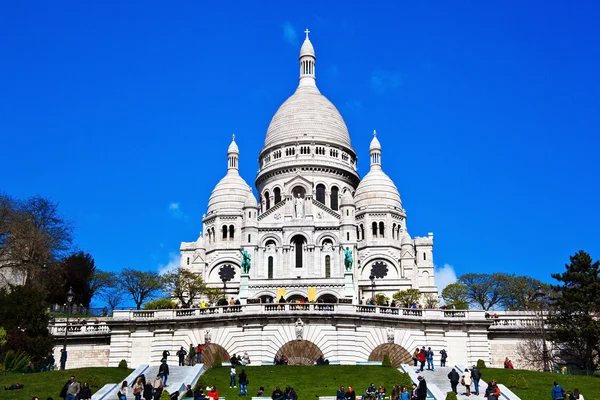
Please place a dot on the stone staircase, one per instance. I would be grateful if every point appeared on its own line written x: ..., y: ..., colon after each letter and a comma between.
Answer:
x: 179, y: 377
x: 438, y: 384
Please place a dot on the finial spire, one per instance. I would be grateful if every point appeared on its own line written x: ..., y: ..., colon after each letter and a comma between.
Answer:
x: 374, y: 133
x: 233, y: 137
x: 307, y: 32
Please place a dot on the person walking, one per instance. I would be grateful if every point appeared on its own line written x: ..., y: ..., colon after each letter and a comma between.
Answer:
x: 466, y: 380
x: 158, y: 387
x: 147, y: 391
x: 422, y: 388
x: 454, y: 379
x: 232, y: 374
x: 476, y: 376
x: 558, y: 393
x: 138, y: 388
x: 243, y: 382
x: 181, y: 353
x: 422, y: 359
x: 163, y: 372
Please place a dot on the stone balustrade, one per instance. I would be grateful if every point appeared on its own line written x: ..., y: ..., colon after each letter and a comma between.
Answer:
x: 58, y: 328
x: 299, y: 308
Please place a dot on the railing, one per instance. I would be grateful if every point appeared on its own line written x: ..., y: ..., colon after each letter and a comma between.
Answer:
x: 76, y: 329
x: 271, y: 308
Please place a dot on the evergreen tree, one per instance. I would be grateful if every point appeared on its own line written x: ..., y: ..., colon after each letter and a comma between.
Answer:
x: 576, y: 304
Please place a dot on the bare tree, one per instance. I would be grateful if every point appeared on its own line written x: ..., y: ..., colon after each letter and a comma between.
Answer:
x: 141, y: 285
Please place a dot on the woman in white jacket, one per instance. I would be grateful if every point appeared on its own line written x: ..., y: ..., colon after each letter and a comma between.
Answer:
x: 466, y: 380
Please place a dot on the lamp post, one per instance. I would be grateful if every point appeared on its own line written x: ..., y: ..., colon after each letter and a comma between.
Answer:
x: 540, y: 295
x: 44, y: 272
x: 372, y: 278
x: 70, y: 296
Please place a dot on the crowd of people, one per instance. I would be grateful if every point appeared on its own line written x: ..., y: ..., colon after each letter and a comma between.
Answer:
x: 415, y: 392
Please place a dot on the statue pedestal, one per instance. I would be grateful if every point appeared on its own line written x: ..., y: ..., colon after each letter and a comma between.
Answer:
x: 349, y: 289
x: 244, y: 288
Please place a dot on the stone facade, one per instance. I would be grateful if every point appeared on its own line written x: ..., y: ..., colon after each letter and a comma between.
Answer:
x: 312, y: 206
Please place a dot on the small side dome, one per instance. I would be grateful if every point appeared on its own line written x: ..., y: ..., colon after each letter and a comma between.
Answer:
x: 376, y: 189
x: 250, y: 201
x: 200, y: 241
x: 229, y: 194
x: 307, y: 48
x: 406, y: 240
x: 347, y: 199
x: 233, y: 147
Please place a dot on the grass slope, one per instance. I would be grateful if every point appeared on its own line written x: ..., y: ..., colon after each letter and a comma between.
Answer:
x: 540, y: 383
x: 49, y: 384
x: 307, y: 381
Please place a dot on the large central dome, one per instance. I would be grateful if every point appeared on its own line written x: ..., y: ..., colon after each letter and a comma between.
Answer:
x: 307, y: 114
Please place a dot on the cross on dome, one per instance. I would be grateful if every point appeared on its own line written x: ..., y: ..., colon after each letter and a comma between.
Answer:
x: 233, y: 137
x: 374, y: 133
x: 307, y: 32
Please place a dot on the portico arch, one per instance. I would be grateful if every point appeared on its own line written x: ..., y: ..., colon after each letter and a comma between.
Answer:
x: 210, y: 352
x: 397, y: 354
x: 300, y: 352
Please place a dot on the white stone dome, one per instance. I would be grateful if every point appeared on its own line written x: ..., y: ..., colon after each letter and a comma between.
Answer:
x: 310, y: 115
x: 347, y: 199
x: 376, y: 189
x: 307, y: 48
x: 250, y: 200
x: 229, y: 194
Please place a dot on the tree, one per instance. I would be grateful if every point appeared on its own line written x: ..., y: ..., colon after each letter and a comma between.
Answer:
x: 406, y: 298
x: 575, y: 302
x: 141, y: 285
x: 32, y: 233
x: 381, y: 299
x: 213, y: 294
x: 430, y: 300
x: 77, y: 271
x: 184, y: 285
x: 27, y: 328
x: 485, y: 290
x: 456, y: 296
x: 108, y: 288
x: 520, y: 293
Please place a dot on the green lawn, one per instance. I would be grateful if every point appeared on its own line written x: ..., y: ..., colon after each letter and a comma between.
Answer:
x: 49, y: 384
x: 540, y: 383
x: 307, y: 381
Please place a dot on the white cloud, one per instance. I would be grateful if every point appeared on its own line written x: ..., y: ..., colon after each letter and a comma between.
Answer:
x: 175, y: 210
x: 383, y: 80
x: 289, y: 33
x: 171, y: 266
x: 444, y: 276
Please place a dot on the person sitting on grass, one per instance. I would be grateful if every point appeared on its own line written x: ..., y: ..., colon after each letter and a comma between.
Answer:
x: 341, y: 394
x: 277, y: 394
x: 381, y: 392
x: 261, y: 392
x: 558, y: 393
x: 371, y: 392
x: 213, y: 394
x: 290, y: 393
x: 350, y: 394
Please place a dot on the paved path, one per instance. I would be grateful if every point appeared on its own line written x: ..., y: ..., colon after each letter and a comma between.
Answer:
x: 439, y: 377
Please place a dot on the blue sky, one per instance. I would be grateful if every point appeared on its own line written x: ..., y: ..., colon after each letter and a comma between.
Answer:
x: 488, y: 114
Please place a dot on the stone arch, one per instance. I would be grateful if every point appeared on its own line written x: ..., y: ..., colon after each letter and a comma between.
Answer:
x: 291, y: 236
x: 326, y: 235
x: 210, y: 352
x: 300, y: 352
x: 268, y: 237
x: 213, y: 272
x: 397, y: 354
x: 392, y: 266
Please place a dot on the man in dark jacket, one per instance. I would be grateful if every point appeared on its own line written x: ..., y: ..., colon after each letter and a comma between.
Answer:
x: 454, y: 379
x: 277, y: 394
x: 341, y: 394
x: 181, y: 353
x: 290, y: 393
x: 476, y: 376
x: 422, y: 389
x: 163, y: 372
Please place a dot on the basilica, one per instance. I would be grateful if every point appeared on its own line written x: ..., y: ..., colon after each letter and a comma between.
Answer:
x: 318, y: 231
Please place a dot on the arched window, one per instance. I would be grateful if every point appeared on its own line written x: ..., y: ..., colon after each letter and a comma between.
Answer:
x: 270, y: 268
x: 334, y: 197
x: 214, y: 234
x: 267, y: 200
x: 298, y: 247
x: 381, y: 229
x: 362, y: 232
x: 224, y: 231
x: 321, y: 193
x: 374, y: 229
x: 327, y: 267
x: 394, y: 231
x: 348, y: 236
x: 249, y: 238
x: 277, y: 193
x: 357, y: 233
x: 231, y: 231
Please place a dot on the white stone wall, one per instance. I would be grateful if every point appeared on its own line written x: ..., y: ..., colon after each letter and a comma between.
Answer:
x: 83, y: 355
